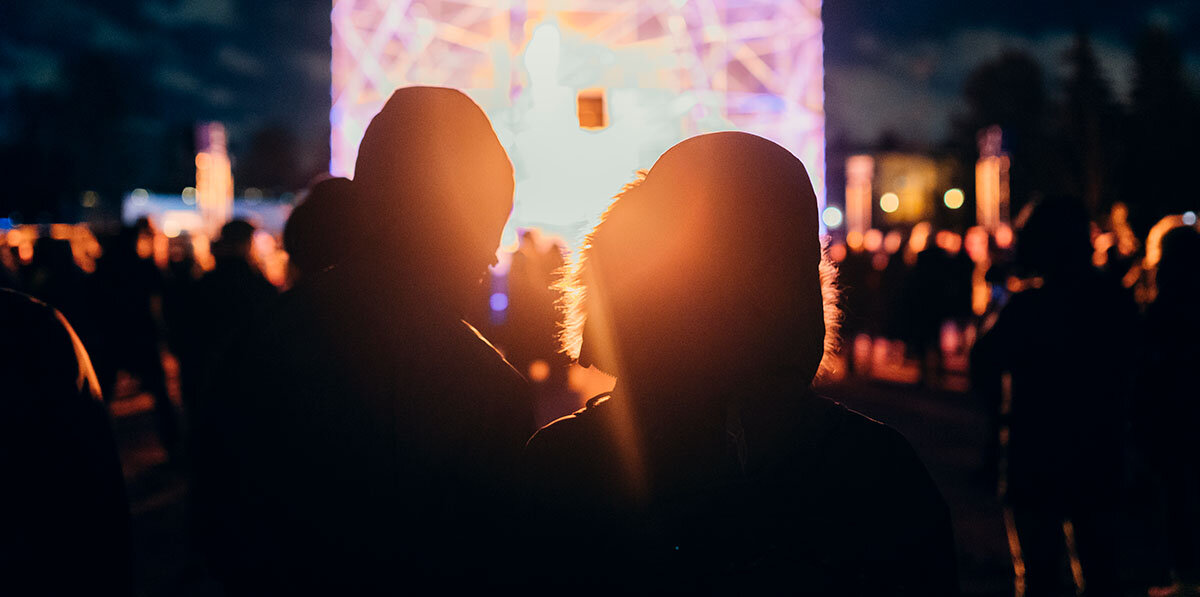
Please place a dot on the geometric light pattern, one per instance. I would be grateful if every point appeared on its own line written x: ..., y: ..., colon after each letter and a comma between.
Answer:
x: 669, y: 69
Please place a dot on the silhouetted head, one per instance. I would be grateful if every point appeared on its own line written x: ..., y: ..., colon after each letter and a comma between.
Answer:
x: 436, y: 180
x: 122, y: 246
x: 1178, y: 275
x: 668, y: 287
x: 1054, y: 237
x: 53, y: 254
x: 319, y: 230
x: 235, y: 241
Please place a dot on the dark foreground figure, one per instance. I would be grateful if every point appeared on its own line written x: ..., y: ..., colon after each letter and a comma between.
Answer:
x: 64, y: 522
x: 365, y: 438
x: 1069, y: 346
x: 713, y: 467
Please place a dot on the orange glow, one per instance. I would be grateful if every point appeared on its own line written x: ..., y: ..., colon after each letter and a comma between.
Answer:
x: 539, y: 371
x: 919, y: 238
x: 854, y: 239
x: 873, y: 240
x: 892, y: 242
x: 948, y: 241
x: 1100, y: 246
x: 977, y: 243
x: 837, y: 252
x: 860, y: 170
x: 1154, y: 239
x: 1004, y: 236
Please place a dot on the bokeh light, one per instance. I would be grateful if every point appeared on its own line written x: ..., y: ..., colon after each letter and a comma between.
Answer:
x: 889, y: 202
x: 953, y: 198
x: 832, y: 217
x: 498, y: 301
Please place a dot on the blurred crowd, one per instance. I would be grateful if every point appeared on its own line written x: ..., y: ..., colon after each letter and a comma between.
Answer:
x: 1081, y: 334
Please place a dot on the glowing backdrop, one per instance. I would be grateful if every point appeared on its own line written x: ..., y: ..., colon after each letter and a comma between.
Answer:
x: 663, y: 70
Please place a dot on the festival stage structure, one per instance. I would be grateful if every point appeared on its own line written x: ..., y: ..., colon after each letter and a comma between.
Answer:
x: 582, y: 93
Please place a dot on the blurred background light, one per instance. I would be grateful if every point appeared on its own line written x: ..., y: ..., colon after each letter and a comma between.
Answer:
x: 832, y: 217
x: 889, y: 202
x: 498, y: 301
x: 953, y: 198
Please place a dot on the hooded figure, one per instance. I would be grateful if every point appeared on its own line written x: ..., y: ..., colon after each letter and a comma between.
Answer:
x: 63, y: 507
x: 712, y: 466
x: 365, y: 438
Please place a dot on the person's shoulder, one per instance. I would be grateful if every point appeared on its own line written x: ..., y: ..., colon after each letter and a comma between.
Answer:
x: 863, y: 446
x: 52, y: 356
x: 578, y: 428
x: 853, y: 430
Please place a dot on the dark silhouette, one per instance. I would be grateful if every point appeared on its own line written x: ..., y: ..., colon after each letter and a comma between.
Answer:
x: 318, y: 233
x: 62, y: 510
x: 54, y: 278
x: 530, y: 338
x: 1068, y: 344
x: 1170, y: 411
x: 126, y: 323
x: 713, y: 467
x: 221, y: 304
x: 361, y: 437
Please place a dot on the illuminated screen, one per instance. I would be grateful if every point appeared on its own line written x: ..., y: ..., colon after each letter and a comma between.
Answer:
x: 582, y: 93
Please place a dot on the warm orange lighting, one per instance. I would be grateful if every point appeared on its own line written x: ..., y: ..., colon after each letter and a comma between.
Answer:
x: 539, y: 371
x: 892, y: 242
x: 592, y: 109
x: 948, y: 241
x: 873, y: 240
x: 1004, y: 236
x: 976, y: 242
x: 920, y: 237
x: 860, y: 171
x: 854, y: 239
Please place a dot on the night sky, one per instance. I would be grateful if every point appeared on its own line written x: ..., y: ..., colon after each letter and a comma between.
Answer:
x: 890, y: 66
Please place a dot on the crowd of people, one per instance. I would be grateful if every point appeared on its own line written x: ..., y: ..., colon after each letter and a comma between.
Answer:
x: 354, y: 434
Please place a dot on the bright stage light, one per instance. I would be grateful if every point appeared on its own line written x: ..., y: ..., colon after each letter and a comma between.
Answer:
x: 652, y: 72
x: 889, y: 202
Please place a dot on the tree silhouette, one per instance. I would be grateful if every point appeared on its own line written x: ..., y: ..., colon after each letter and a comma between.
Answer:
x: 1091, y: 126
x: 1164, y: 127
x: 1009, y: 91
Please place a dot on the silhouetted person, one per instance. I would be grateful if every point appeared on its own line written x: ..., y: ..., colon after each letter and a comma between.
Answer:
x: 1069, y: 347
x: 1171, y: 409
x: 713, y: 467
x: 55, y: 278
x: 225, y: 300
x: 365, y: 437
x: 530, y: 335
x: 124, y: 334
x: 320, y: 230
x: 860, y: 290
x: 64, y: 522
